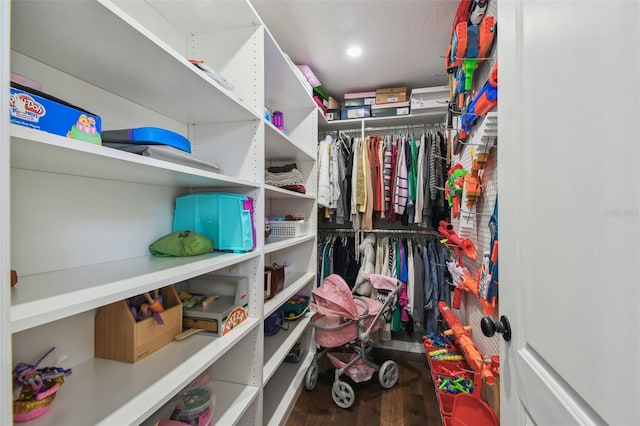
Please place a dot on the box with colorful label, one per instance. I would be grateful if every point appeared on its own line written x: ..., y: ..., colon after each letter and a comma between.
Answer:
x: 42, y: 112
x: 214, y: 302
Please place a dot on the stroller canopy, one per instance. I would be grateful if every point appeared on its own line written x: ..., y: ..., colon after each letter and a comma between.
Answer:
x: 334, y: 298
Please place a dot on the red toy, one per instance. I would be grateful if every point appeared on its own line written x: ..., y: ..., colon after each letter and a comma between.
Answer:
x: 461, y: 245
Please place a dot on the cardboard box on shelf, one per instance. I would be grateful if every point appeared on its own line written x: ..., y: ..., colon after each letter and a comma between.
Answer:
x: 359, y: 98
x: 357, y: 111
x: 333, y: 114
x: 333, y: 104
x: 390, y: 109
x: 391, y: 94
x: 31, y: 108
x: 429, y: 97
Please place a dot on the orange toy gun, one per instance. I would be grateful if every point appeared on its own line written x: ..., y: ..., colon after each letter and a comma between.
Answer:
x: 465, y: 343
x: 470, y: 44
x: 461, y: 245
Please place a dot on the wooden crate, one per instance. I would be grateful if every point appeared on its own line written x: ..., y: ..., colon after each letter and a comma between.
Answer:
x: 119, y: 337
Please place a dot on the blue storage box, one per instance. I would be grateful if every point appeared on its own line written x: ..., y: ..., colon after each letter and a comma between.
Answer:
x: 37, y: 110
x: 225, y: 218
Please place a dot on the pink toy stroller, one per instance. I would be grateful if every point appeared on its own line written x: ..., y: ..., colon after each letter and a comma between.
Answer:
x: 345, y: 320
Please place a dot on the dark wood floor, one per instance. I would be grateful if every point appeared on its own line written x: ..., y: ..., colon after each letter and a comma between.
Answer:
x: 411, y: 402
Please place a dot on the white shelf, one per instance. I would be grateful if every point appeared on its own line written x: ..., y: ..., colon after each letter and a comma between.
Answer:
x: 277, y: 347
x: 278, y: 193
x: 205, y: 17
x: 297, y: 282
x: 108, y: 392
x: 232, y: 401
x: 279, y: 147
x: 42, y: 298
x: 121, y: 56
x: 36, y: 150
x: 283, y: 90
x: 282, y: 390
x: 322, y: 120
x: 129, y: 59
x: 274, y: 244
x: 437, y: 115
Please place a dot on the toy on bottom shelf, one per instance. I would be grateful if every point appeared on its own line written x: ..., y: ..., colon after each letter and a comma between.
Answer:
x: 455, y: 384
x: 194, y: 407
x: 34, y: 388
x: 433, y: 340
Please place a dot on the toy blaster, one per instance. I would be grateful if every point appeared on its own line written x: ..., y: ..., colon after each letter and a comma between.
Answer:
x: 461, y: 245
x: 465, y: 343
x: 470, y: 44
x: 462, y: 280
x: 457, y: 43
x: 461, y: 336
x: 454, y: 187
x: 482, y: 103
x: 488, y: 274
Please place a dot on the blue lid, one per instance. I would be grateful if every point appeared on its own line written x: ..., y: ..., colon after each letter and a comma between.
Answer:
x: 156, y: 135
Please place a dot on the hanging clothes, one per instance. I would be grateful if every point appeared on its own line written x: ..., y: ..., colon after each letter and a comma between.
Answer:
x: 401, y: 188
x: 419, y: 276
x: 367, y: 264
x: 370, y: 178
x: 420, y: 177
x: 324, y: 163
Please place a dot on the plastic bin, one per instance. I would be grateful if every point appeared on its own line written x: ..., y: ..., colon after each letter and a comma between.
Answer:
x: 288, y: 228
x: 226, y: 218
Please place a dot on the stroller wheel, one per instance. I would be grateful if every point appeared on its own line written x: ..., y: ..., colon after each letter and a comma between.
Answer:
x: 311, y: 378
x: 342, y: 394
x: 388, y: 374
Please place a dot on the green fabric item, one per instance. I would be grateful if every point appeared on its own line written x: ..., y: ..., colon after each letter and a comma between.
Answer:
x: 396, y: 319
x: 181, y: 243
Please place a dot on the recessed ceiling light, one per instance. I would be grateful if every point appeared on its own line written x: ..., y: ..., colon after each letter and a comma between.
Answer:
x: 354, y: 51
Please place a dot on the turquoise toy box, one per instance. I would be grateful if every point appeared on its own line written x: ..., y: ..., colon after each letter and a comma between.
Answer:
x: 225, y: 218
x: 31, y: 108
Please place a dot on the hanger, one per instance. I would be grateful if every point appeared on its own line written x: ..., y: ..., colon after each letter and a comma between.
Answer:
x: 345, y: 141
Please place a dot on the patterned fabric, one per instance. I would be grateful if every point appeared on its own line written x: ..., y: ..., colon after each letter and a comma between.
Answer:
x: 401, y: 188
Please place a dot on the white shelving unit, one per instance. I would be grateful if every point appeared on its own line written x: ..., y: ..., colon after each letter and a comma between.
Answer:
x: 434, y: 115
x: 77, y: 218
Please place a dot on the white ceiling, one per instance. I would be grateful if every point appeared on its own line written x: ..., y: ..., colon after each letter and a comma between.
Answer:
x: 403, y: 41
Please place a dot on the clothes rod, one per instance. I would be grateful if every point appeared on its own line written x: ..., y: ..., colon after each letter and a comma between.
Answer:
x: 380, y: 231
x: 373, y: 128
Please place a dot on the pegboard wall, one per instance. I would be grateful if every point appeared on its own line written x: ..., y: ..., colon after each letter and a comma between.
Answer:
x: 471, y: 310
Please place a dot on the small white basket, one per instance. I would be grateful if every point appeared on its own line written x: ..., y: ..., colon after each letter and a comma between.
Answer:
x: 288, y: 228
